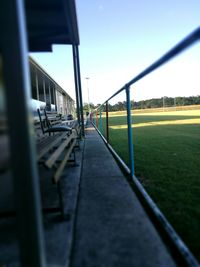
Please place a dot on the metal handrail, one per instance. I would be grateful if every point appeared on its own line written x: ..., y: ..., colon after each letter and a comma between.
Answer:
x: 174, y: 239
x: 177, y: 49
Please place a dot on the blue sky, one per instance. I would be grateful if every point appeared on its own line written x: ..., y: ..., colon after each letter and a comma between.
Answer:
x: 118, y: 39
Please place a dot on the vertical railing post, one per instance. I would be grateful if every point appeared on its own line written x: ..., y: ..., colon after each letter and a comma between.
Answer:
x: 107, y: 125
x: 93, y: 118
x: 130, y: 136
x: 97, y: 123
x: 100, y: 121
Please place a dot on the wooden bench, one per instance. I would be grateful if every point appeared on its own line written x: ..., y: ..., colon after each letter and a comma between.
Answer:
x: 54, y: 151
x: 52, y: 117
x: 54, y: 120
x: 50, y: 148
x: 52, y: 125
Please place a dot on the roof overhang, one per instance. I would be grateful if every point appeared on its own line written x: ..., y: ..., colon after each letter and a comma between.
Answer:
x: 51, y: 22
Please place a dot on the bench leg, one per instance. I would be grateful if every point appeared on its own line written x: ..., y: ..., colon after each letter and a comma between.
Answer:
x: 74, y: 156
x: 60, y: 199
x: 64, y: 216
x: 77, y: 143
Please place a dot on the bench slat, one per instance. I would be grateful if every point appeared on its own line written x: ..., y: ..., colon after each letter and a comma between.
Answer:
x: 54, y: 156
x: 47, y: 144
x: 61, y: 167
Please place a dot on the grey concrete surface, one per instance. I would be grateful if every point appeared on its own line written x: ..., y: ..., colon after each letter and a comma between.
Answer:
x: 112, y: 229
x: 106, y: 225
x: 58, y: 233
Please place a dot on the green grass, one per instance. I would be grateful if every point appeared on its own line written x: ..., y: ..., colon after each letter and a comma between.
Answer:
x: 167, y: 162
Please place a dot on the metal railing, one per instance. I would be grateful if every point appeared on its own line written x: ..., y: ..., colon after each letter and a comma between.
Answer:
x: 102, y: 126
x: 176, y: 50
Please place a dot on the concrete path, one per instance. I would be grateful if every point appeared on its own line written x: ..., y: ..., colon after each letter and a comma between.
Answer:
x: 112, y: 229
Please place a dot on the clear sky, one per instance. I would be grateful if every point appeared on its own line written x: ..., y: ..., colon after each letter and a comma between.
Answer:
x: 118, y: 39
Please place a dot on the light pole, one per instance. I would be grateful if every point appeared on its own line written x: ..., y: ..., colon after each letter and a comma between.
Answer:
x: 175, y: 103
x: 163, y: 103
x: 87, y: 79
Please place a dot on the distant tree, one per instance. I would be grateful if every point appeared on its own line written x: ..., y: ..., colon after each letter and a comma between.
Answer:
x: 86, y: 107
x: 150, y: 103
x: 180, y: 101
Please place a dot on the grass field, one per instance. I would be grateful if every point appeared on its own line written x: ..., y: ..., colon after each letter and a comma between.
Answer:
x: 167, y: 162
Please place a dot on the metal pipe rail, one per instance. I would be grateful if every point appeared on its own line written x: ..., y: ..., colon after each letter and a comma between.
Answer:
x: 187, y: 259
x: 177, y: 49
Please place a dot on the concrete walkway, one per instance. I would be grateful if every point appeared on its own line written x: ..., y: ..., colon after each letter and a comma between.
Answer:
x: 112, y: 229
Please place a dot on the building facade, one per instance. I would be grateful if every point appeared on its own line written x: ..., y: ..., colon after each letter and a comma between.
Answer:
x: 46, y: 93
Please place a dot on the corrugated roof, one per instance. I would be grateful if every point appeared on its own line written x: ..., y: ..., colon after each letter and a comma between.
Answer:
x: 51, y: 22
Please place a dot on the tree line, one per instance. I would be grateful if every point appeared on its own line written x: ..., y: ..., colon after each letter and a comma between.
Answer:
x: 151, y: 103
